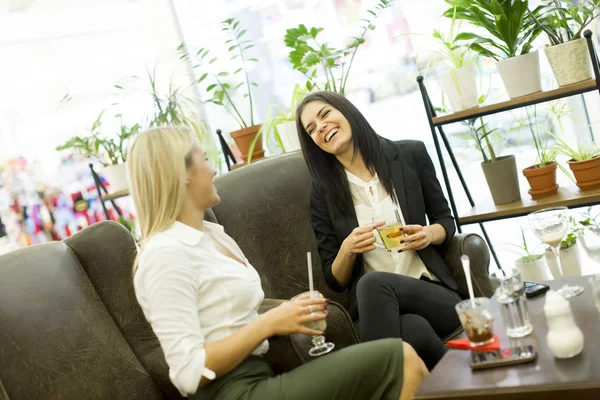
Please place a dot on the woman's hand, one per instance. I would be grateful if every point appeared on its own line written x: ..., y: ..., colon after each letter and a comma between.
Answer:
x: 290, y: 316
x: 361, y: 240
x: 418, y: 237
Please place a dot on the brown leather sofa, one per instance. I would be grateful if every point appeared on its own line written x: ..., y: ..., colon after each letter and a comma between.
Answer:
x: 70, y: 326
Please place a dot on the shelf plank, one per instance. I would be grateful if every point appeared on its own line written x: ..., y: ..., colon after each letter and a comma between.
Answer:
x: 569, y: 196
x: 115, y: 195
x: 535, y: 98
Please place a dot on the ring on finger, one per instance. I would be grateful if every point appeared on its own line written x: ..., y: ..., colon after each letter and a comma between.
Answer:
x: 310, y: 309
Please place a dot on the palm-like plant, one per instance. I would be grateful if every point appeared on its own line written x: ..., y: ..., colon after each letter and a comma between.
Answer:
x: 563, y: 21
x: 510, y: 24
x: 220, y: 89
x: 108, y: 151
x: 325, y: 67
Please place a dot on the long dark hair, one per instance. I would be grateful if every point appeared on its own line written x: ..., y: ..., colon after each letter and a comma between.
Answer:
x: 326, y: 170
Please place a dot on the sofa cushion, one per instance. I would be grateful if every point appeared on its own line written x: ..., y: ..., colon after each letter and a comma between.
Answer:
x: 57, y: 339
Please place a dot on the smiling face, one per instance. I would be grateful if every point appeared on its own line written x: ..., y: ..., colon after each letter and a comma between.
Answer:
x: 327, y: 127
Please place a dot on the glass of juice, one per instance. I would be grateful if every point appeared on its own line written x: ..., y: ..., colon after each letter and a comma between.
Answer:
x: 390, y: 233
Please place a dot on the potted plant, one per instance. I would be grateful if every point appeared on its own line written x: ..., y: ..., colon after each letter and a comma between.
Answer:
x: 281, y: 126
x: 531, y: 265
x: 110, y: 152
x: 222, y: 92
x: 511, y: 30
x: 458, y: 64
x: 570, y: 253
x: 173, y: 107
x: 500, y: 172
x: 584, y: 163
x: 541, y: 175
x: 568, y: 53
x: 325, y: 67
x: 590, y: 234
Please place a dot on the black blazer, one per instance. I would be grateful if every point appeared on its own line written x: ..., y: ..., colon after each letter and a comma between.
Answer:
x: 419, y: 195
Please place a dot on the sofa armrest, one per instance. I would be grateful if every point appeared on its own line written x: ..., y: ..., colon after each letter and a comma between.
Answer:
x: 472, y: 245
x: 288, y: 352
x: 3, y: 394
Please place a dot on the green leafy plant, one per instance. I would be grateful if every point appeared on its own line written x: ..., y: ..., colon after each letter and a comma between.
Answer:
x: 481, y: 135
x: 276, y: 117
x: 108, y: 151
x: 325, y: 67
x: 545, y: 153
x: 563, y: 21
x: 526, y: 255
x: 575, y: 228
x: 581, y: 153
x: 219, y: 88
x: 129, y: 225
x: 589, y: 219
x: 509, y: 23
x: 450, y: 52
x: 173, y: 107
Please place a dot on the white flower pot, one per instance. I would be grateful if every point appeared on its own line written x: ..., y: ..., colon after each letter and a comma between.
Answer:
x: 461, y: 87
x: 534, y: 271
x: 289, y: 136
x: 570, y: 62
x: 591, y: 242
x: 521, y: 74
x: 116, y: 175
x: 569, y: 258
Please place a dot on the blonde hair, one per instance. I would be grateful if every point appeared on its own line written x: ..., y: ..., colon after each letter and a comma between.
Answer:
x: 156, y: 166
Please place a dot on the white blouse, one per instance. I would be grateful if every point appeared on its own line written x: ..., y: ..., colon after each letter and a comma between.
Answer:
x: 371, y: 199
x: 192, y: 294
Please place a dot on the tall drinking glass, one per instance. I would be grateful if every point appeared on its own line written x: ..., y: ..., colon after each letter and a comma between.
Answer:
x: 390, y: 233
x: 510, y: 296
x: 320, y: 346
x: 550, y: 225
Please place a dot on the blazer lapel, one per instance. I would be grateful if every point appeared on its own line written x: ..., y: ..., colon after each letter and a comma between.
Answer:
x: 393, y: 156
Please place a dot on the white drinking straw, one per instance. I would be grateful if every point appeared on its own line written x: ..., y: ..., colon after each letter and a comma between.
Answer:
x: 310, y: 276
x: 467, y: 267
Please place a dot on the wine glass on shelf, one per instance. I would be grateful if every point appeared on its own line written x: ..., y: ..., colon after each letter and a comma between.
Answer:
x: 550, y: 225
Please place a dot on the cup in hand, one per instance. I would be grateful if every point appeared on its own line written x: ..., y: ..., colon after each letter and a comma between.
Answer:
x: 476, y: 320
x: 320, y: 325
x: 390, y: 232
x: 320, y: 346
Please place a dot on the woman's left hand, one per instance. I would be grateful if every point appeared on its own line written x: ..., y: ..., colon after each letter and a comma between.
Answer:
x: 418, y: 237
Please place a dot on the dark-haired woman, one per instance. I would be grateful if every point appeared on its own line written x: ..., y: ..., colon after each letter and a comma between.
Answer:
x: 357, y: 175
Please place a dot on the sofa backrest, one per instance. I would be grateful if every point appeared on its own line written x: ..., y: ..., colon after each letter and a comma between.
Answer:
x: 265, y: 209
x: 62, y: 334
x: 106, y: 252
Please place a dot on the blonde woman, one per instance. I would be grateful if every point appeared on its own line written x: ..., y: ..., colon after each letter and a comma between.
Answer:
x: 201, y: 296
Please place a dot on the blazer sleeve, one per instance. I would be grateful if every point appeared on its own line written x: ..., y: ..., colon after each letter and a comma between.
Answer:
x: 436, y: 205
x: 327, y: 241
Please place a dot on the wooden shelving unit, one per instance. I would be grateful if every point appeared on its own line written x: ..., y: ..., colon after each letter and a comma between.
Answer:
x: 570, y: 196
x: 535, y: 98
x: 567, y: 196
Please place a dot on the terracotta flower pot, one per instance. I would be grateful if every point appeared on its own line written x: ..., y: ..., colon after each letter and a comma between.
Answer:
x: 587, y: 173
x: 244, y: 137
x: 542, y: 180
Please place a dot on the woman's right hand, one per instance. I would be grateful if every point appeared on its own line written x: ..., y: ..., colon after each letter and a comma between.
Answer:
x: 290, y: 316
x: 362, y: 239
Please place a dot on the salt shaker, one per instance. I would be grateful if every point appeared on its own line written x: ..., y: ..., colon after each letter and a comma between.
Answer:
x: 565, y: 339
